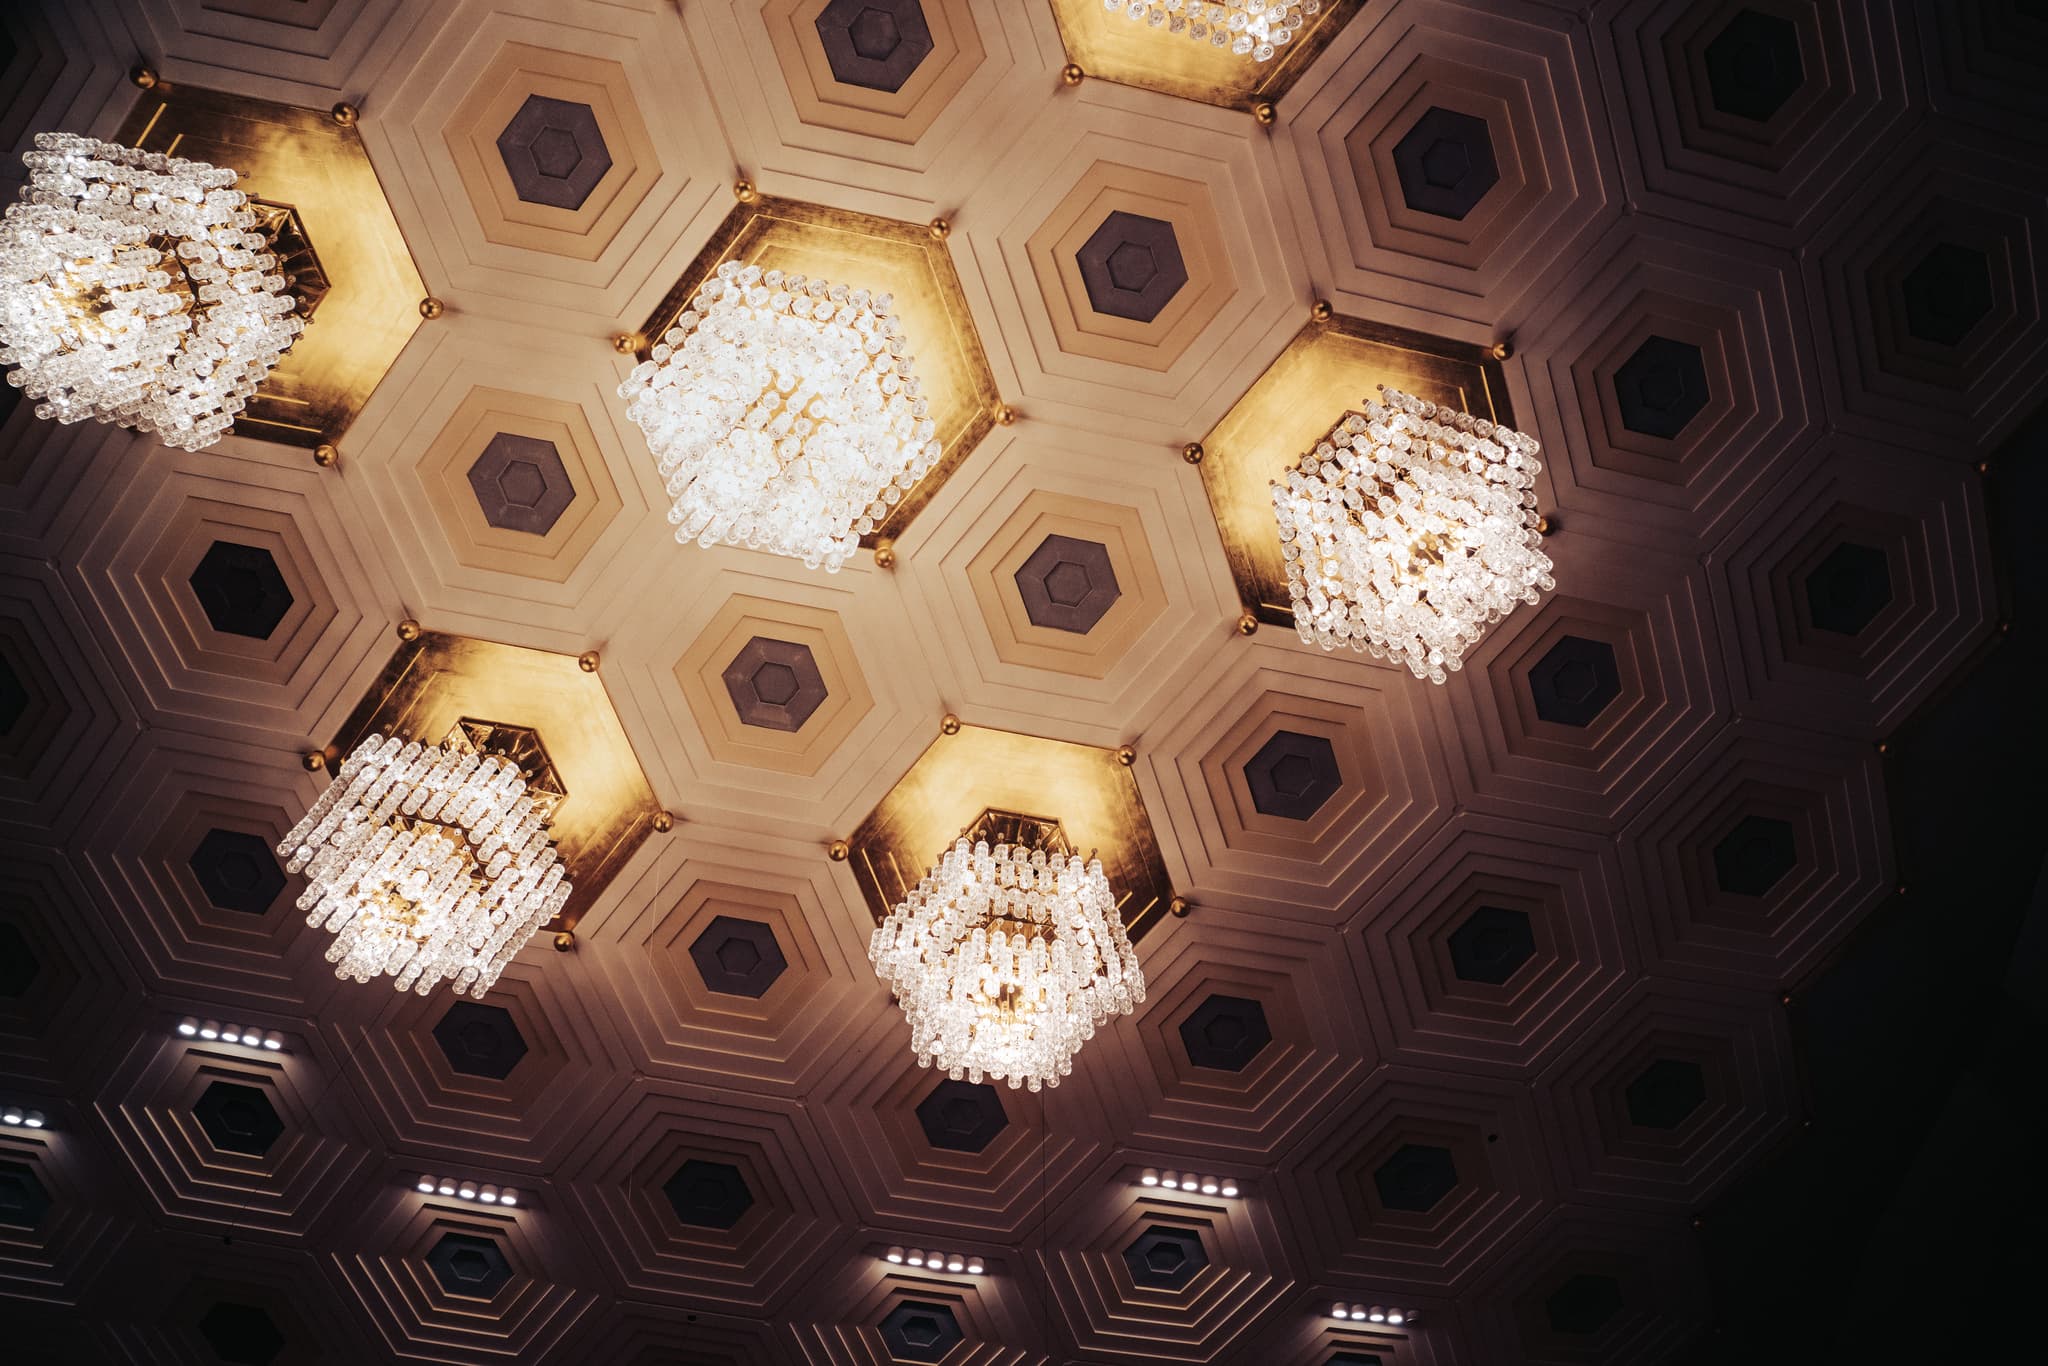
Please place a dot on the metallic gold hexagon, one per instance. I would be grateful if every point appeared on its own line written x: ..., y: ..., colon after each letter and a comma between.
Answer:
x: 1109, y: 46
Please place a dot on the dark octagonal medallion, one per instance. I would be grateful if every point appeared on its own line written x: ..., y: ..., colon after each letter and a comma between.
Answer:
x: 1751, y: 858
x: 708, y: 1194
x: 520, y: 484
x: 1665, y: 1093
x: 1225, y: 1033
x: 738, y: 957
x: 1583, y: 1304
x: 238, y: 871
x: 1445, y: 163
x: 468, y: 1265
x: 1848, y: 588
x: 1574, y: 681
x: 480, y: 1040
x: 1165, y: 1257
x: 18, y: 962
x: 962, y: 1116
x: 1067, y: 584
x: 554, y: 152
x: 774, y: 684
x: 1947, y: 294
x: 916, y: 1330
x: 1131, y: 266
x: 1491, y: 945
x: 1662, y: 387
x: 240, y: 590
x: 241, y: 1334
x: 13, y: 696
x: 1292, y: 775
x: 1415, y: 1177
x: 23, y: 1201
x: 238, y: 1118
x: 874, y: 44
x: 1753, y: 65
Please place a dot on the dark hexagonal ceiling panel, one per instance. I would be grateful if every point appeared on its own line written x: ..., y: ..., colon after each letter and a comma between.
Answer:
x: 469, y: 1265
x: 23, y: 1200
x: 1751, y: 858
x: 1165, y: 1257
x: 480, y: 1040
x: 1131, y: 266
x: 1665, y: 1093
x: 1445, y: 163
x: 916, y: 1330
x: 1846, y: 590
x: 13, y: 696
x: 1662, y: 387
x: 18, y: 962
x: 1491, y: 945
x: 962, y: 1116
x: 1753, y: 65
x: 1225, y: 1033
x: 238, y: 1118
x: 241, y: 1334
x: 520, y: 484
x: 1947, y: 294
x: 240, y: 590
x: 1415, y: 1177
x: 1292, y: 775
x: 1067, y: 584
x: 738, y: 957
x: 1574, y: 681
x: 708, y: 1194
x: 875, y: 44
x: 774, y: 684
x: 238, y: 871
x: 554, y: 152
x: 1583, y: 1304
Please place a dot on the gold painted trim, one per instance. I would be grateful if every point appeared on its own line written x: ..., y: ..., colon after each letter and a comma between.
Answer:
x: 1111, y: 47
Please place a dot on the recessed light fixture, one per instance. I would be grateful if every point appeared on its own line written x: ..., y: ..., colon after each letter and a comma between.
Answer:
x: 213, y: 1031
x: 1190, y: 1182
x: 1374, y: 1313
x: 21, y: 1117
x: 475, y: 1192
x: 955, y: 1263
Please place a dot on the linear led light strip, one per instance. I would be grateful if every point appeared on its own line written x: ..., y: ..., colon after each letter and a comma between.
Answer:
x: 1189, y: 1182
x: 28, y: 1119
x: 1373, y: 1314
x: 192, y: 1027
x: 467, y: 1190
x: 955, y: 1262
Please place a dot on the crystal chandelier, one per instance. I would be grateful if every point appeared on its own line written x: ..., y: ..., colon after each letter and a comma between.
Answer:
x: 1250, y: 28
x: 784, y: 413
x: 432, y: 861
x: 1409, y: 530
x: 138, y: 289
x: 1008, y: 956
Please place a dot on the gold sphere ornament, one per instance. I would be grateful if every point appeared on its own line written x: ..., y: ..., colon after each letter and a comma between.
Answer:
x: 143, y: 77
x: 1544, y: 526
x: 949, y: 724
x: 662, y: 822
x: 345, y: 115
x: 325, y: 456
x: 941, y: 228
x: 565, y: 941
x: 1247, y: 624
x: 744, y: 191
x: 1005, y: 415
x: 885, y: 554
x: 627, y: 343
x: 1126, y: 756
x: 314, y: 760
x: 408, y: 630
x: 1320, y: 310
x: 1501, y: 349
x: 837, y: 851
x: 1180, y: 906
x: 1071, y: 74
x: 587, y: 661
x: 432, y: 308
x: 1264, y: 112
x: 1192, y: 452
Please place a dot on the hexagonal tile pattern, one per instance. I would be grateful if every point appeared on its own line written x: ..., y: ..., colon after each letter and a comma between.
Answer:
x: 962, y: 1116
x: 874, y: 44
x: 1416, y: 1177
x: 470, y: 1266
x: 738, y: 957
x: 1225, y: 1033
x: 1166, y: 1257
x: 1491, y: 946
x: 240, y: 590
x: 1292, y: 775
x: 241, y: 1334
x: 708, y: 1194
x: 918, y: 1330
x: 480, y: 1040
x: 1751, y: 858
x: 1662, y: 387
x: 23, y: 1199
x: 1446, y: 163
x: 554, y: 152
x: 13, y: 696
x: 1067, y: 584
x: 775, y: 684
x: 1583, y: 1304
x: 1947, y: 294
x: 521, y: 485
x: 18, y: 962
x: 1848, y: 588
x: 1753, y: 65
x: 1131, y: 266
x: 1574, y: 681
x: 238, y: 871
x: 1665, y: 1095
x: 238, y: 1118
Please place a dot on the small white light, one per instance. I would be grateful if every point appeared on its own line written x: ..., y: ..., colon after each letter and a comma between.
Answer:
x: 1377, y: 1314
x: 488, y: 1194
x: 209, y: 1030
x: 34, y: 1119
x: 1230, y: 1188
x: 974, y: 1266
x: 10, y: 1116
x: 956, y: 1264
x: 426, y: 1185
x: 1170, y: 1180
x: 1396, y: 1316
x: 895, y: 1255
x: 1341, y: 1311
x: 252, y: 1039
x: 188, y: 1026
x: 915, y: 1258
x: 446, y: 1188
x: 508, y: 1197
x: 467, y: 1190
x: 1209, y: 1187
x: 273, y: 1041
x: 1150, y: 1178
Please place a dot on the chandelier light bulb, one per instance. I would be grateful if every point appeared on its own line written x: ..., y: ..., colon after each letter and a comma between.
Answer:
x: 1150, y: 1177
x: 895, y: 1256
x: 1249, y: 28
x: 1409, y: 530
x: 784, y: 414
x: 135, y: 289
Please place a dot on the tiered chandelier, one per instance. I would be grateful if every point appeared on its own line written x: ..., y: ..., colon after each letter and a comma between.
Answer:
x: 137, y: 289
x: 1409, y: 530
x: 785, y: 414
x: 1249, y: 28
x: 432, y: 862
x: 1008, y: 955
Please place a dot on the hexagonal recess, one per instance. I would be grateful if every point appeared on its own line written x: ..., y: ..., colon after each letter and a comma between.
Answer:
x: 708, y: 1194
x: 1665, y: 1093
x: 1583, y: 1304
x: 1292, y: 775
x: 242, y: 1334
x: 1445, y: 163
x: 13, y: 697
x: 554, y: 152
x: 1751, y: 858
x: 874, y: 44
x: 916, y: 1330
x: 520, y: 484
x: 962, y: 1116
x: 738, y: 957
x: 774, y: 684
x: 1574, y: 681
x: 18, y: 962
x: 468, y: 1265
x: 1753, y: 65
x: 1416, y: 1177
x: 23, y: 1201
x: 480, y: 1040
x: 1355, y: 1359
x: 1067, y: 584
x: 1131, y: 266
x: 1164, y: 1257
x: 1846, y: 590
x: 238, y: 871
x: 1491, y: 946
x: 240, y: 590
x: 1661, y: 387
x: 1225, y: 1033
x: 1947, y: 293
x: 238, y: 1118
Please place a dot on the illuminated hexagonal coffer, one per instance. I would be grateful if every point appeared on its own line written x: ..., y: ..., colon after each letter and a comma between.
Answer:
x: 1234, y: 53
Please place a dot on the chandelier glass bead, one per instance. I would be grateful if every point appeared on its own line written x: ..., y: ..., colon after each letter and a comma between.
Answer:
x: 1249, y: 28
x: 1006, y: 958
x: 135, y: 289
x: 785, y: 414
x: 1409, y: 530
x: 427, y: 863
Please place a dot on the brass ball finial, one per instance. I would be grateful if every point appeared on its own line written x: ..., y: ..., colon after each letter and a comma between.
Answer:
x: 1005, y: 415
x: 1071, y: 74
x: 587, y: 661
x: 143, y: 77
x: 1983, y: 467
x: 1501, y: 349
x: 432, y: 308
x: 627, y: 343
x: 885, y: 554
x: 408, y: 630
x: 1545, y: 527
x: 565, y: 940
x: 662, y: 822
x: 345, y: 115
x: 325, y: 456
x: 314, y: 760
x: 1320, y: 310
x: 1247, y: 624
x: 1264, y: 112
x: 941, y: 229
x: 1180, y: 906
x: 837, y: 851
x: 744, y: 191
x: 949, y: 724
x: 1126, y: 756
x: 1192, y: 452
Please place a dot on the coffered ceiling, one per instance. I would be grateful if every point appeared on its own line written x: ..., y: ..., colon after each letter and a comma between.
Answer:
x: 1480, y: 995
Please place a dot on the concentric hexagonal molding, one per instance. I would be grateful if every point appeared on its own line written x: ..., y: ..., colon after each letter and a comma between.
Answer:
x: 708, y: 1194
x: 1067, y: 584
x: 240, y: 590
x: 1445, y: 163
x: 1754, y: 856
x: 23, y: 1199
x: 520, y: 484
x: 1574, y: 681
x: 884, y: 256
x: 480, y: 1040
x: 1662, y: 387
x: 238, y: 1118
x: 738, y: 957
x: 1491, y: 945
x: 241, y: 1334
x: 1224, y: 1033
x: 1846, y: 590
x: 1665, y: 1094
x: 1131, y: 266
x: 1415, y: 1178
x: 1108, y: 46
x: 875, y: 44
x: 238, y: 871
x: 1947, y: 294
x: 919, y: 1330
x: 962, y: 1116
x: 1166, y: 1257
x: 554, y: 151
x: 469, y: 1266
x: 775, y: 684
x: 1753, y: 65
x: 1292, y: 775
